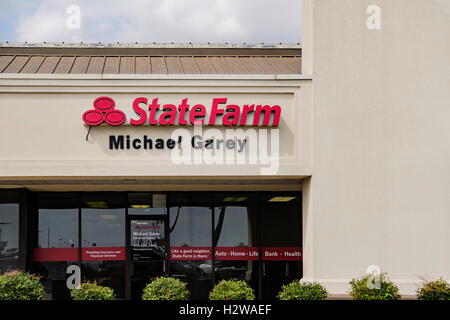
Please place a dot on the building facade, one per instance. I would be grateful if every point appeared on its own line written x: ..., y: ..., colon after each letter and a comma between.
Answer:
x: 129, y: 186
x: 263, y: 163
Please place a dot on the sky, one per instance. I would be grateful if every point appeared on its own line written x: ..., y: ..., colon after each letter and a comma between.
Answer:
x: 148, y: 21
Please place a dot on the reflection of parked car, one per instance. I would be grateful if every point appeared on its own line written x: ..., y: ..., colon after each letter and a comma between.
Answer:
x: 223, y: 269
x: 186, y: 268
x: 206, y: 268
x: 231, y: 269
x: 11, y: 253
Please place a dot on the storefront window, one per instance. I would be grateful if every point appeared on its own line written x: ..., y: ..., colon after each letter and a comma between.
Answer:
x: 190, y: 239
x: 58, y: 228
x: 9, y: 231
x: 281, y: 226
x: 236, y: 250
x: 103, y: 240
x: 57, y: 241
x: 199, y: 237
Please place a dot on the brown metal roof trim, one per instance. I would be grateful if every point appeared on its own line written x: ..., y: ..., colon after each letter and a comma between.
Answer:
x: 150, y: 60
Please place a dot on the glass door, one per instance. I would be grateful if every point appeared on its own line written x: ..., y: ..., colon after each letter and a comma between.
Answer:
x: 147, y: 252
x: 281, y: 239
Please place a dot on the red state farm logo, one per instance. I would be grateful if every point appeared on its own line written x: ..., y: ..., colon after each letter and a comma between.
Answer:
x: 104, y: 112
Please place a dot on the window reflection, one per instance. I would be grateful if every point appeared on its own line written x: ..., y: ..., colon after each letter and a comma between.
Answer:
x: 58, y: 228
x: 9, y: 236
x: 190, y: 227
x: 103, y: 227
x: 57, y: 241
x: 231, y: 226
x: 236, y: 253
x: 103, y: 240
x: 103, y: 220
x: 190, y: 235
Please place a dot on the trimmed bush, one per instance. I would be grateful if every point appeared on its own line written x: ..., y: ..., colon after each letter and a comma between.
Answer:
x: 232, y: 290
x: 387, y: 290
x: 434, y: 290
x: 302, y: 291
x: 165, y: 288
x: 18, y: 285
x: 92, y: 291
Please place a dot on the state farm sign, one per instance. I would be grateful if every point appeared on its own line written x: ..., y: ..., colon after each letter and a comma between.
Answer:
x: 153, y: 112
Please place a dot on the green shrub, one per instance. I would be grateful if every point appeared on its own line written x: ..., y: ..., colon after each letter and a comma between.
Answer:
x: 232, y: 290
x: 387, y: 290
x: 19, y: 285
x: 165, y: 288
x: 302, y: 291
x: 434, y: 290
x: 92, y: 291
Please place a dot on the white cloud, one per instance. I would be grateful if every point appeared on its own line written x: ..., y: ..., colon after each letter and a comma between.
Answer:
x: 46, y: 23
x: 164, y: 21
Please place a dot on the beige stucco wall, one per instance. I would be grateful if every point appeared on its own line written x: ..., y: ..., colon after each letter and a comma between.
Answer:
x: 380, y: 188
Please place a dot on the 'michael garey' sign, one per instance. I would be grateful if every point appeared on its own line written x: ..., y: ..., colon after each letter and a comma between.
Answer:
x: 153, y: 112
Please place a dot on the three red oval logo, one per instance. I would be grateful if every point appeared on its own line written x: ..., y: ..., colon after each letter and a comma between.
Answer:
x: 104, y: 112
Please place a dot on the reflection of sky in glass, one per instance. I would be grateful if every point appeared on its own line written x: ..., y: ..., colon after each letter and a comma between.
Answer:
x: 193, y: 227
x: 58, y: 228
x: 9, y: 227
x: 103, y: 227
x: 234, y: 230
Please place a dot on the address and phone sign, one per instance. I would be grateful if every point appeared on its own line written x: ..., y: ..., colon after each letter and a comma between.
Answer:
x: 147, y: 240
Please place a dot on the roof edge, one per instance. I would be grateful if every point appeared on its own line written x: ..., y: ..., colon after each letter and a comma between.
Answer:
x: 188, y: 49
